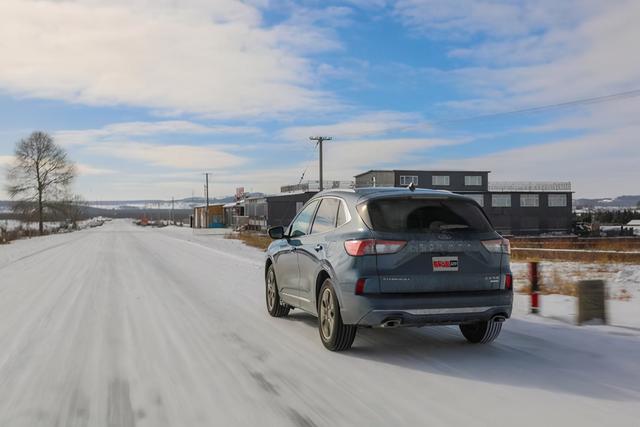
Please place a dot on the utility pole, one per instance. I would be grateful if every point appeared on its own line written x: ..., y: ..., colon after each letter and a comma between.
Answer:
x: 206, y: 213
x: 173, y: 219
x: 320, y: 140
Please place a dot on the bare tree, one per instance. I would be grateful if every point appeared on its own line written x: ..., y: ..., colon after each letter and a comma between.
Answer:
x: 41, y: 173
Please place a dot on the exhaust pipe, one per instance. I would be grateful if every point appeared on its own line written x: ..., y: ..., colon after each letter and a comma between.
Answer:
x: 392, y: 323
x: 498, y: 319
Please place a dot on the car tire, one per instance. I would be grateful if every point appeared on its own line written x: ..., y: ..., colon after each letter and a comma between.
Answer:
x: 481, y: 332
x: 275, y: 306
x: 334, y: 334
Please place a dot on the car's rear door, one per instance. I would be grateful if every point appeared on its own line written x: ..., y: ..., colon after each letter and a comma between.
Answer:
x: 315, y: 247
x: 444, y: 249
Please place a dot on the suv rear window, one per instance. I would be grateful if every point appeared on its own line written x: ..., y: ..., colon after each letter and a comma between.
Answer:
x: 416, y: 215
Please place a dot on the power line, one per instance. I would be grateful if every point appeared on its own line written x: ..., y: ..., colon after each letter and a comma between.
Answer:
x: 584, y: 101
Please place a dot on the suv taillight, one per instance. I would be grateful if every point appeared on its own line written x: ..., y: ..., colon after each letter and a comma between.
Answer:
x: 373, y: 247
x: 508, y: 281
x: 499, y: 246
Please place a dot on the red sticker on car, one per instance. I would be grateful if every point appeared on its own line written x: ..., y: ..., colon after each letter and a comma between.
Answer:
x: 445, y: 263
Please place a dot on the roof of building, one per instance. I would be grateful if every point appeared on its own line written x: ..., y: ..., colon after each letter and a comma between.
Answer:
x: 530, y: 186
x: 234, y: 204
x: 210, y: 205
x: 422, y: 171
x: 634, y: 223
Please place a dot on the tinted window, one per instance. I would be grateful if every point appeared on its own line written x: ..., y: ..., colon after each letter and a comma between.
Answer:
x: 300, y: 226
x: 326, y: 216
x: 424, y: 215
x: 342, y: 215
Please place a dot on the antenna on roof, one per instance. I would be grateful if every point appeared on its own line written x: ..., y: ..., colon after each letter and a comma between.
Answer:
x: 412, y: 186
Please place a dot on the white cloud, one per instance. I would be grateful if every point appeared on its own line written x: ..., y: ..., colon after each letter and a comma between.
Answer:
x: 598, y: 165
x: 135, y: 129
x: 462, y: 19
x: 344, y: 159
x: 173, y: 156
x: 86, y: 170
x: 5, y: 160
x: 376, y: 123
x: 214, y: 58
x: 534, y: 52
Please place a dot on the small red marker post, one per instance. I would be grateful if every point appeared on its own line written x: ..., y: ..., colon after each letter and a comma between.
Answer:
x: 533, y: 278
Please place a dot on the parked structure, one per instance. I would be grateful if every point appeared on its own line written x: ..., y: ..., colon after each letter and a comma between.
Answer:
x: 215, y: 217
x: 272, y: 210
x: 513, y: 207
x: 234, y: 215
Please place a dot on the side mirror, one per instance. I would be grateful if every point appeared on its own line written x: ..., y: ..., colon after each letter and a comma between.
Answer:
x: 276, y: 232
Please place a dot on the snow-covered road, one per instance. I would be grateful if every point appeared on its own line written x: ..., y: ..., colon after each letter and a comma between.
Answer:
x: 124, y: 326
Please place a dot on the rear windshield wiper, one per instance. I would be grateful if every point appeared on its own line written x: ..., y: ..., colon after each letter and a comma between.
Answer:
x: 453, y: 226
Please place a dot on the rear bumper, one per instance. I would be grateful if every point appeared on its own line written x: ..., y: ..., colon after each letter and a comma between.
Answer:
x: 426, y: 309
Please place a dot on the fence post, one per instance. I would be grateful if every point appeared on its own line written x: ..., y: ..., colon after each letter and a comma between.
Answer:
x: 535, y: 288
x: 591, y: 301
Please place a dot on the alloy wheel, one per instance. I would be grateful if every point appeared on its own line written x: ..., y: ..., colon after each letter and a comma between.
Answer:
x: 327, y: 314
x: 271, y: 290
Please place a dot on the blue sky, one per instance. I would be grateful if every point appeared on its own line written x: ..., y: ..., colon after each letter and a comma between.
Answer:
x: 147, y: 95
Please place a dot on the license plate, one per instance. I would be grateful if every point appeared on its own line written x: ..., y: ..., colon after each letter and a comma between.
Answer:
x: 445, y: 263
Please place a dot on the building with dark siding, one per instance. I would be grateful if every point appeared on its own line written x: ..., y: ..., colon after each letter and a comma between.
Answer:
x: 273, y: 210
x: 518, y: 208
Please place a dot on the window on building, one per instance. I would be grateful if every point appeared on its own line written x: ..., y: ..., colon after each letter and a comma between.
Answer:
x: 408, y: 179
x: 440, y: 180
x: 300, y: 225
x: 477, y: 197
x: 501, y: 200
x: 473, y: 180
x: 557, y: 200
x: 529, y: 200
x: 326, y: 216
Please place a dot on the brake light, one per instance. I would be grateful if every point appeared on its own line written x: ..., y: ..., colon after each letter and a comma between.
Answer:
x: 360, y: 247
x: 373, y: 247
x: 499, y: 246
x: 508, y: 281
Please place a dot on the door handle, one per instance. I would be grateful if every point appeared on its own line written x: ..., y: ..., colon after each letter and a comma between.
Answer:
x: 318, y: 247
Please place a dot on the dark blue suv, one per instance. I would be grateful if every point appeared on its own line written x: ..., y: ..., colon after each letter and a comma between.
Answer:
x: 390, y: 257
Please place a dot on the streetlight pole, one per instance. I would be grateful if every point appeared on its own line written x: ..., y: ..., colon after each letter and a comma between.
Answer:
x: 320, y: 140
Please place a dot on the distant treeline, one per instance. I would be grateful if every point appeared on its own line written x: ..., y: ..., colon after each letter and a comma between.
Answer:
x: 85, y: 212
x: 608, y: 217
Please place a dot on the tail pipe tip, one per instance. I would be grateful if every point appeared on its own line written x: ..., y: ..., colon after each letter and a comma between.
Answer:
x: 391, y: 323
x: 498, y: 318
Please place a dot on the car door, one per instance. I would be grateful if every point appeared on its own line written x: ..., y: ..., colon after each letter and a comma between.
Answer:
x: 314, y: 249
x: 286, y: 260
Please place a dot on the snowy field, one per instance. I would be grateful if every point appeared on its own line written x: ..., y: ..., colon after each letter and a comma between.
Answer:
x: 622, y: 284
x: 12, y: 224
x: 129, y: 326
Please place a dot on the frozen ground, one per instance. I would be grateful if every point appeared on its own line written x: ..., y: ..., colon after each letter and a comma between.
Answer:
x: 622, y: 282
x: 12, y: 224
x: 128, y: 326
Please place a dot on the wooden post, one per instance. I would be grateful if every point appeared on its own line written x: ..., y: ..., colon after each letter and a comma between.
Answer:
x: 591, y: 301
x: 535, y: 288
